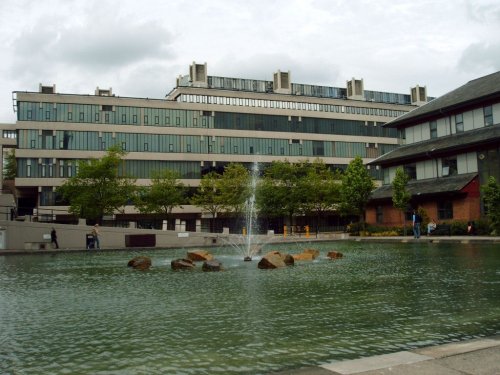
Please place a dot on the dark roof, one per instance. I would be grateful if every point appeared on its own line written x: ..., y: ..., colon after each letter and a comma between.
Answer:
x: 441, y: 146
x: 476, y: 91
x: 428, y: 186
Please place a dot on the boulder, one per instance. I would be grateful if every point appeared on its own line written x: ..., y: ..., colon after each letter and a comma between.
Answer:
x: 334, y: 254
x: 140, y: 263
x: 274, y: 259
x: 199, y: 255
x: 313, y: 252
x: 182, y: 264
x: 212, y: 266
x: 307, y: 254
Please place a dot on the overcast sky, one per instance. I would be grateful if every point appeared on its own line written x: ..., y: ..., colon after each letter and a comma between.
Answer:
x: 139, y: 47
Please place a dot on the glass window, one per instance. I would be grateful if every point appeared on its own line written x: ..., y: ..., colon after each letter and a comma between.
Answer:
x: 171, y: 147
x: 188, y: 149
x: 251, y: 149
x: 96, y: 117
x: 235, y: 149
x: 106, y: 117
x: 124, y: 146
x: 411, y: 171
x: 157, y: 120
x: 269, y: 150
x: 459, y: 123
x: 134, y: 119
x: 146, y: 119
x: 82, y: 116
x: 124, y: 118
x: 379, y: 215
x: 488, y: 115
x: 146, y: 146
x: 433, y: 129
x: 449, y: 166
x: 445, y: 210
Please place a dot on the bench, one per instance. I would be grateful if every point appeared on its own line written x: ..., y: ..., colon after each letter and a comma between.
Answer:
x: 442, y: 230
x: 37, y: 245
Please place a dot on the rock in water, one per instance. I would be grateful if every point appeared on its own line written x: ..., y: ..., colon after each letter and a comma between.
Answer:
x: 140, y: 263
x: 182, y: 264
x: 199, y: 255
x: 212, y: 266
x: 334, y: 254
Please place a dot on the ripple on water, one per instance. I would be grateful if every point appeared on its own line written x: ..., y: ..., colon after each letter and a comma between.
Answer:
x: 77, y: 313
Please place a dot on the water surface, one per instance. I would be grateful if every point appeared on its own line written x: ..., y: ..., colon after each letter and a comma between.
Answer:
x: 87, y: 313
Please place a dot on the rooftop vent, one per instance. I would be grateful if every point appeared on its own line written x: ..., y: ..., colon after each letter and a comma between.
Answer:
x: 355, y: 89
x: 101, y: 92
x: 282, y: 82
x: 198, y: 75
x: 47, y: 89
x: 418, y: 95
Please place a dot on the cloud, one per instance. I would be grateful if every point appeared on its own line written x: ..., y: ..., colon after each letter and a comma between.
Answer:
x: 480, y: 57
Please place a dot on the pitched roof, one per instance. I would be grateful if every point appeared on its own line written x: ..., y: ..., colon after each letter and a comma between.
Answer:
x: 441, y: 146
x: 475, y: 91
x: 428, y: 186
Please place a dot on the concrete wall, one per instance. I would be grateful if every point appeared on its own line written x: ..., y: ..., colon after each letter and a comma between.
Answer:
x: 18, y: 234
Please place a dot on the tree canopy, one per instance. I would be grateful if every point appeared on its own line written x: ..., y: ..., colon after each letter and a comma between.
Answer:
x: 491, y: 198
x: 10, y: 167
x: 400, y: 195
x: 98, y: 188
x: 357, y: 185
x: 164, y: 194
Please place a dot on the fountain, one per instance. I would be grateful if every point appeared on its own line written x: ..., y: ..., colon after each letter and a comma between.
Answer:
x: 248, y: 243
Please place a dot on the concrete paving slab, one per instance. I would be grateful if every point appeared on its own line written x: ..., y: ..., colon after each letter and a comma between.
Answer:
x: 375, y: 363
x: 447, y: 350
x: 305, y: 371
x: 419, y: 368
x: 479, y: 362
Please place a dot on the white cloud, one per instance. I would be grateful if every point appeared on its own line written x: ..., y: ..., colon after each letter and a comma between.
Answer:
x: 139, y: 48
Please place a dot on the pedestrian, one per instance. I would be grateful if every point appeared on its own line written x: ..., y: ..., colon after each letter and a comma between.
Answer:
x: 95, y: 234
x: 431, y: 227
x: 53, y: 238
x: 417, y: 220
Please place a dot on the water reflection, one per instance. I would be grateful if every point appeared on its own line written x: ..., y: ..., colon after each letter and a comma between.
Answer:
x: 89, y: 313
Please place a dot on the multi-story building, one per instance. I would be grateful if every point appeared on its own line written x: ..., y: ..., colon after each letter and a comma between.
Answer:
x: 452, y: 146
x: 203, y: 124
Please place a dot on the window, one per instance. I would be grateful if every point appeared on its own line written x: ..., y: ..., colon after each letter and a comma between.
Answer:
x: 171, y: 147
x: 29, y: 114
x: 177, y: 121
x: 282, y: 151
x: 411, y: 171
x: 195, y: 122
x: 106, y: 118
x: 33, y: 143
x: 124, y: 146
x: 82, y: 116
x: 146, y: 119
x: 188, y: 149
x: 270, y: 150
x: 379, y: 215
x: 449, y: 166
x: 134, y: 119
x: 433, y: 129
x: 167, y: 120
x: 318, y: 148
x: 47, y: 115
x: 96, y: 117
x: 445, y: 210
x: 488, y: 115
x: 459, y: 123
x: 235, y: 149
x: 107, y: 108
x: 146, y: 146
x: 124, y: 118
x: 157, y: 120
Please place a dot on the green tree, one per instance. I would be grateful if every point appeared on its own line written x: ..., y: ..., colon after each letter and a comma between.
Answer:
x: 235, y: 188
x: 278, y: 193
x: 491, y: 198
x: 164, y: 194
x: 321, y: 189
x: 10, y: 167
x: 209, y: 196
x: 400, y: 195
x: 98, y: 188
x: 356, y: 189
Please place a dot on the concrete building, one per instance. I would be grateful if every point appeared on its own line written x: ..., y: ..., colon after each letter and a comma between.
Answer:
x: 451, y: 147
x: 203, y: 124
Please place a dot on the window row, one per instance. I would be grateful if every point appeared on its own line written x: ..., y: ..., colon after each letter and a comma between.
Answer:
x: 131, y: 142
x: 278, y: 104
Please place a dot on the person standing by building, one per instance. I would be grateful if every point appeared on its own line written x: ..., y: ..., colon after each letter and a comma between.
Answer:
x: 417, y: 220
x: 95, y: 234
x: 53, y: 238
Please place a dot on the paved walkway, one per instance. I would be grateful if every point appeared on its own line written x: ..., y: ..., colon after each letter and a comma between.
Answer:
x: 477, y: 357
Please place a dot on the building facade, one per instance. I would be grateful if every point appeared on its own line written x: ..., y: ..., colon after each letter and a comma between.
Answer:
x: 201, y: 125
x: 451, y: 147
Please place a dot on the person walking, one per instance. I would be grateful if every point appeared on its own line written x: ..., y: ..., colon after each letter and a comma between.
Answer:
x: 53, y: 238
x: 417, y: 220
x: 95, y: 234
